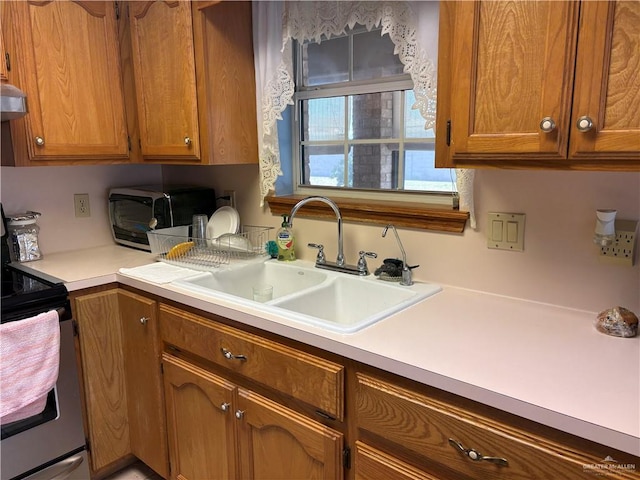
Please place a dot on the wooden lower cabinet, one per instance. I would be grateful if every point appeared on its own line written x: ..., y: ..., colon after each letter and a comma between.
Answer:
x: 465, y: 444
x: 123, y: 394
x: 218, y: 430
x: 142, y: 352
x: 200, y: 422
x: 276, y: 442
x: 103, y: 376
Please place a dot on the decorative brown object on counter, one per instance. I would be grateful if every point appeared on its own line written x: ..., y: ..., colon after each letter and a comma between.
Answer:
x: 618, y: 322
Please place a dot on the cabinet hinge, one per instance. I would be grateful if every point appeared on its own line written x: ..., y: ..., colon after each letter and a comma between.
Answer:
x: 129, y: 142
x: 448, y: 133
x: 76, y: 329
x: 7, y: 61
x: 87, y: 445
x: 162, y: 368
x: 346, y: 458
x: 117, y: 7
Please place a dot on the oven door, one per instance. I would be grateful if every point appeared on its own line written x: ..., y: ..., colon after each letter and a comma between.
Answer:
x: 31, y: 445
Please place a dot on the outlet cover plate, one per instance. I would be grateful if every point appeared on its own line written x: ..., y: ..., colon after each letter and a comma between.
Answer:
x: 505, y: 231
x: 623, y: 249
x: 81, y: 205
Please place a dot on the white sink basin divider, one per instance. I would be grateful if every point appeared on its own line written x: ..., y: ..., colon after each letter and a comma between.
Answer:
x: 329, y: 300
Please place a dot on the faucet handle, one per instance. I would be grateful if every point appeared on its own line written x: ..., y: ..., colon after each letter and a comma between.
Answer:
x: 320, y: 258
x: 363, y: 269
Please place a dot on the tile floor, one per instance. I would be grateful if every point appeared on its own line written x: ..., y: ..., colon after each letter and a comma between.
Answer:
x: 136, y: 471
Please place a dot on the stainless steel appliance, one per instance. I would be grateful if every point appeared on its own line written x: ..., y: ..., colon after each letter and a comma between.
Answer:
x: 50, y: 444
x: 134, y: 211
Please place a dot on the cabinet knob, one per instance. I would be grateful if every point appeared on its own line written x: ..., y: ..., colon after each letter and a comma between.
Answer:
x: 547, y: 125
x: 144, y: 320
x: 239, y: 414
x: 225, y: 407
x: 39, y: 141
x: 477, y: 456
x: 584, y: 124
x: 187, y: 141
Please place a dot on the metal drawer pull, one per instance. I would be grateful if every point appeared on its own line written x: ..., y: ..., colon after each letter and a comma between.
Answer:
x: 225, y: 407
x: 39, y: 141
x: 239, y: 414
x: 144, y: 320
x: 477, y: 456
x: 230, y: 356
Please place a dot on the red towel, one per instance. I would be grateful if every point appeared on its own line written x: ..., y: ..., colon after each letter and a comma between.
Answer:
x: 29, y: 363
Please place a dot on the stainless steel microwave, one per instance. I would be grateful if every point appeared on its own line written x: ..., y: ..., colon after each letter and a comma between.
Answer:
x: 134, y: 211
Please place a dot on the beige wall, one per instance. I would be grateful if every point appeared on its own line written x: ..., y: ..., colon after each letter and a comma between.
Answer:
x: 559, y: 265
x: 49, y: 190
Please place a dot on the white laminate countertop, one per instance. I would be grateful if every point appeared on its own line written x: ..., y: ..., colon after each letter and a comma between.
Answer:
x: 542, y: 362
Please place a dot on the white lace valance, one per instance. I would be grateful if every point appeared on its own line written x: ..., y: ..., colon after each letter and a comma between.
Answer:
x: 277, y: 24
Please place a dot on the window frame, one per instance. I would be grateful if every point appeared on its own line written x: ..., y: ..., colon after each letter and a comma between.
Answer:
x: 343, y: 89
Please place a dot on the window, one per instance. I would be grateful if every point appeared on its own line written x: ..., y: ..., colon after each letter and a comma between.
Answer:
x: 356, y: 130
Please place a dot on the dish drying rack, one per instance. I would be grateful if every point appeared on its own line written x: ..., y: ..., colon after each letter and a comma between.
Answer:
x: 204, y: 253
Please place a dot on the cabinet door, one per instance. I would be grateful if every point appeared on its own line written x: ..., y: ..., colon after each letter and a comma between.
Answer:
x: 142, y: 354
x: 276, y: 442
x: 67, y: 62
x: 105, y: 392
x: 165, y: 78
x: 374, y: 464
x: 607, y: 86
x: 4, y: 13
x: 512, y: 66
x: 200, y: 421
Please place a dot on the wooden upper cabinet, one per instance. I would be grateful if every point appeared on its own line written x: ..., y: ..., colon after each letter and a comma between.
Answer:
x: 607, y: 85
x: 195, y: 81
x: 165, y: 79
x: 515, y: 77
x: 3, y: 61
x: 66, y: 58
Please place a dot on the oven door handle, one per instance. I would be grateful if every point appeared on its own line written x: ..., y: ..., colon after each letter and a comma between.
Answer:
x: 61, y: 470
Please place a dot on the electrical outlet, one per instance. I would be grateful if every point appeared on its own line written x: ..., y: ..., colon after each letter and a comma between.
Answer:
x: 232, y: 197
x: 81, y: 204
x: 622, y: 250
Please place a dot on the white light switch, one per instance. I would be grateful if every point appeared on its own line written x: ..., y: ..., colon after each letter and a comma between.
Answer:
x: 506, y: 231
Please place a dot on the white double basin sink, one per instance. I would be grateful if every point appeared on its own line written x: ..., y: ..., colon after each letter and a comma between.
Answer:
x: 335, y: 301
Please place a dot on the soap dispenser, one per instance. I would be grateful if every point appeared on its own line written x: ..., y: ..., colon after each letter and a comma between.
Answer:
x: 285, y: 241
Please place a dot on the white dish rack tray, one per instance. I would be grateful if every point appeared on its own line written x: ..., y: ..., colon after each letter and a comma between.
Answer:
x: 203, y: 254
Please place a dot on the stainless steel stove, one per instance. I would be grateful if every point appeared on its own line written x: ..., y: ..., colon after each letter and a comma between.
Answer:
x: 50, y: 444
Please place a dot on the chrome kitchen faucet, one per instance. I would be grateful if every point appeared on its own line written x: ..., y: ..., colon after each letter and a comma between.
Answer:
x: 321, y: 262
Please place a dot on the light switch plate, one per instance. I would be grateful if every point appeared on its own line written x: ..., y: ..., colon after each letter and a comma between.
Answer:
x: 505, y: 231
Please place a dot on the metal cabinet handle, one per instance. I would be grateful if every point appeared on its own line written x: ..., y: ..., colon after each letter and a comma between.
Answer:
x: 225, y: 407
x: 230, y: 356
x: 39, y: 141
x: 477, y: 456
x: 584, y: 124
x: 144, y: 320
x: 547, y: 125
x: 187, y: 141
x: 239, y: 414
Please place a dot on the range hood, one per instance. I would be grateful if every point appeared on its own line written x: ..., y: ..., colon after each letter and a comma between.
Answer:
x: 13, y: 102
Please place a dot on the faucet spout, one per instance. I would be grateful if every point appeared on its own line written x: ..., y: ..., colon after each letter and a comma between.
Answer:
x: 407, y: 279
x: 336, y: 210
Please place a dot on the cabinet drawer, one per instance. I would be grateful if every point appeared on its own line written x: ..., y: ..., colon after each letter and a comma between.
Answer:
x: 374, y: 464
x: 305, y: 377
x: 424, y: 426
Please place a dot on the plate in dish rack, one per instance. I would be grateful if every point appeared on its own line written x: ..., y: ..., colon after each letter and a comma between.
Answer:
x: 224, y: 220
